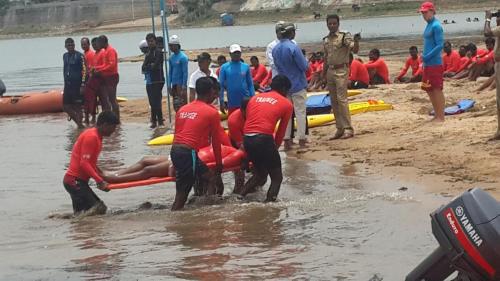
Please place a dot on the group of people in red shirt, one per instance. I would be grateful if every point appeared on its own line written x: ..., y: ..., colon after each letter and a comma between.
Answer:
x: 99, y: 80
x: 466, y: 62
x: 252, y: 128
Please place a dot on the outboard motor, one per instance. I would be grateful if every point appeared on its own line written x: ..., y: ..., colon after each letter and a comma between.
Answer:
x: 468, y: 232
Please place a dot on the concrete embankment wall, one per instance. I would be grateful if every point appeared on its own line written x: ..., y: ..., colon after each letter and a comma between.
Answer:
x: 64, y: 14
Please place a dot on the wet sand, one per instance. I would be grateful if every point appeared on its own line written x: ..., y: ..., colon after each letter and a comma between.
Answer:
x: 446, y: 158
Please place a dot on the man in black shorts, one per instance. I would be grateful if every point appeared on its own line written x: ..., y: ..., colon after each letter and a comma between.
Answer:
x: 74, y: 82
x: 263, y: 113
x: 83, y: 166
x: 195, y: 124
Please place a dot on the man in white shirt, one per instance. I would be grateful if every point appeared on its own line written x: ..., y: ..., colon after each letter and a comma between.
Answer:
x: 203, y: 70
x: 270, y: 47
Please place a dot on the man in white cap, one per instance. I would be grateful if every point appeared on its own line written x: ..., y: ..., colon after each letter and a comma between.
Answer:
x: 143, y: 46
x: 290, y: 61
x: 178, y: 73
x: 236, y: 78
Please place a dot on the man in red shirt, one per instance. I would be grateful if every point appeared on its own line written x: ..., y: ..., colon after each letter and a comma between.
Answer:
x: 258, y: 71
x: 194, y: 124
x: 415, y: 62
x: 89, y: 96
x: 379, y: 73
x: 358, y: 74
x: 263, y: 113
x: 108, y: 70
x: 484, y: 62
x: 83, y: 166
x: 451, y: 60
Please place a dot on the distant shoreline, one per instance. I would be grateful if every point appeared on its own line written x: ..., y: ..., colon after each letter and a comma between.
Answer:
x: 250, y: 18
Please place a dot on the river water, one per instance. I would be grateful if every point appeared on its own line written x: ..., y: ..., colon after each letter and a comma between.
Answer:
x: 35, y: 64
x: 332, y: 222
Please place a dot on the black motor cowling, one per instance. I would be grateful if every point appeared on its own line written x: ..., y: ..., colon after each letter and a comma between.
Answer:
x: 468, y: 232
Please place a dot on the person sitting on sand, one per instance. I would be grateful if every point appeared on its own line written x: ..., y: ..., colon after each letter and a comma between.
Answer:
x: 484, y: 65
x: 475, y: 55
x: 415, y: 62
x: 258, y: 71
x: 465, y: 61
x: 377, y: 68
x: 358, y: 74
x: 451, y: 60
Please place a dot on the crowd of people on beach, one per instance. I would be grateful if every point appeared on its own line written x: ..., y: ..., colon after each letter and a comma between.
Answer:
x: 257, y: 123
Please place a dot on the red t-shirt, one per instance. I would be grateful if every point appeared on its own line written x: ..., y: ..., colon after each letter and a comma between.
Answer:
x: 267, y: 80
x: 217, y: 71
x: 263, y: 113
x: 490, y: 56
x: 464, y: 63
x: 380, y: 69
x: 109, y: 64
x: 416, y: 67
x: 258, y: 73
x: 195, y: 123
x: 451, y: 63
x: 83, y: 163
x: 89, y: 58
x: 235, y: 123
x: 358, y: 72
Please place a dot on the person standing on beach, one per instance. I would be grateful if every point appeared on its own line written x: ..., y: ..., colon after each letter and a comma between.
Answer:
x: 235, y: 77
x: 75, y: 73
x: 488, y: 31
x: 152, y: 67
x: 290, y: 62
x: 432, y: 78
x: 338, y: 46
x: 108, y: 71
x: 89, y: 96
x: 204, y: 61
x: 270, y: 47
x: 83, y: 166
x: 178, y: 73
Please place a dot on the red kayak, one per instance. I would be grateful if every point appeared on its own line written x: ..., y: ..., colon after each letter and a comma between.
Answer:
x: 32, y: 103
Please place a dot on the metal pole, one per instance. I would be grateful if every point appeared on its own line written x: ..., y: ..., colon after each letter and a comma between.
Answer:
x: 133, y: 12
x: 164, y: 28
x: 152, y: 15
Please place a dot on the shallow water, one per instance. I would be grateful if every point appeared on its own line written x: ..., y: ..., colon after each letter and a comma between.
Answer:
x: 332, y: 222
x: 35, y: 64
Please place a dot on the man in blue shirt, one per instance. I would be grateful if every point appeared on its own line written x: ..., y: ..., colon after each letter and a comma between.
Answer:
x: 75, y: 73
x: 289, y: 61
x: 432, y: 79
x: 178, y: 73
x: 236, y: 78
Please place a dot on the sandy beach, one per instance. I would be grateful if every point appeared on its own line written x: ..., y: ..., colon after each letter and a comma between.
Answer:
x: 447, y: 158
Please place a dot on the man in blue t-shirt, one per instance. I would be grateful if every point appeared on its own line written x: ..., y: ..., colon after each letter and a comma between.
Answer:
x: 290, y: 62
x: 75, y: 73
x: 236, y: 78
x: 432, y: 78
x: 177, y: 73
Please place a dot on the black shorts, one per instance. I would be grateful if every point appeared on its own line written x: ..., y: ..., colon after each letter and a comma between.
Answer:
x: 71, y: 94
x: 186, y: 172
x: 82, y: 196
x: 262, y: 152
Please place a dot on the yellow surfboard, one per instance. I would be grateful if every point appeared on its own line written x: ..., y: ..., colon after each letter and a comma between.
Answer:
x: 121, y: 99
x: 312, y: 120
